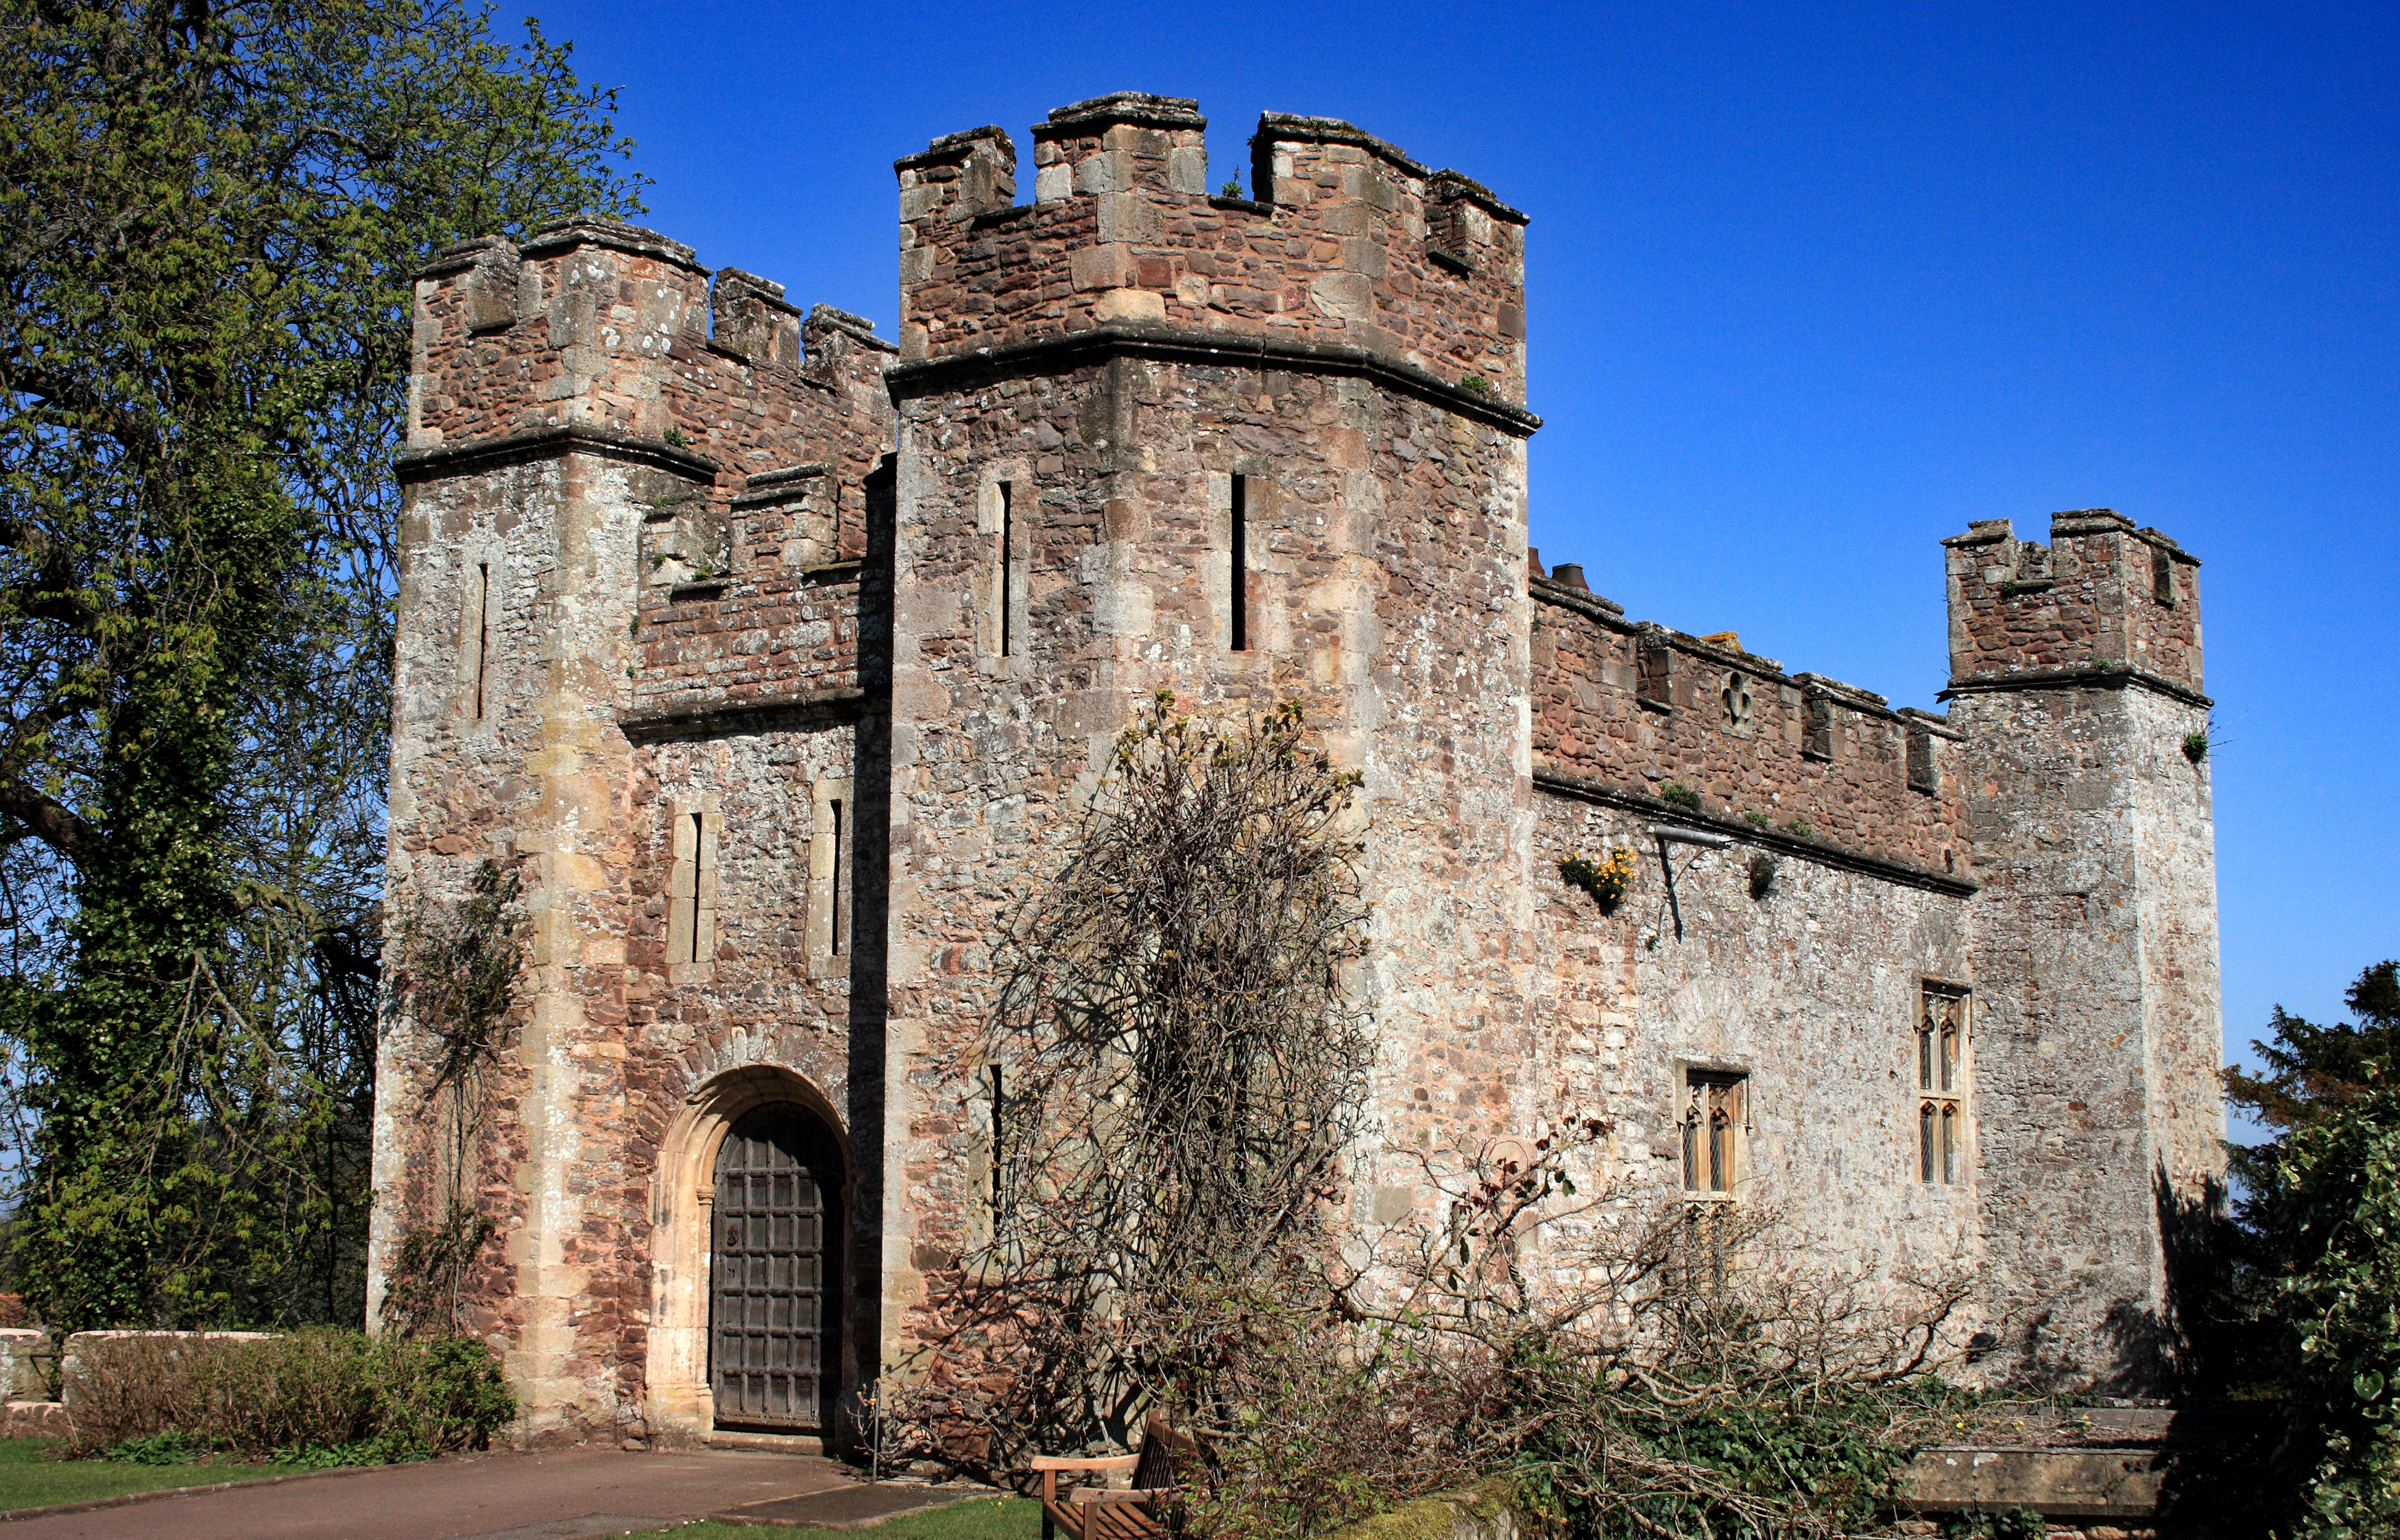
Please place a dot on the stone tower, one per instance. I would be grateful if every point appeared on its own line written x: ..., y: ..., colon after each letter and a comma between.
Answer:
x: 1243, y: 450
x: 2075, y: 676
x: 635, y: 511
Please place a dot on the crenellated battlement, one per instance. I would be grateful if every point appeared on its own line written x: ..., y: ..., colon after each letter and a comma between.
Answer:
x: 1348, y: 242
x: 2102, y: 597
x: 1796, y: 761
x: 602, y: 327
x: 747, y: 428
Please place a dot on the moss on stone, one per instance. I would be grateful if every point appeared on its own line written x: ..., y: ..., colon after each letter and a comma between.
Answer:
x: 1483, y: 1511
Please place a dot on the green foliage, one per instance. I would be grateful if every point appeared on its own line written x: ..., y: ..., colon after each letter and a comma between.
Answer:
x: 2195, y: 746
x: 1475, y: 383
x: 2002, y: 1524
x: 1605, y: 880
x: 1762, y: 874
x: 2314, y: 1072
x: 1678, y: 795
x: 1801, y: 828
x: 32, y: 1475
x: 315, y: 1397
x: 2310, y: 1305
x: 1758, y: 819
x: 985, y: 1519
x: 2339, y: 1203
x: 212, y: 213
x: 171, y: 1448
x: 1231, y: 189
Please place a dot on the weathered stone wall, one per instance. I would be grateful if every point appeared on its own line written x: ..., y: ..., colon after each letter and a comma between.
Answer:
x: 1347, y: 243
x: 1642, y: 708
x: 634, y: 594
x: 1385, y: 590
x: 1810, y: 989
x: 691, y: 579
x: 2103, y: 595
x: 2098, y: 1027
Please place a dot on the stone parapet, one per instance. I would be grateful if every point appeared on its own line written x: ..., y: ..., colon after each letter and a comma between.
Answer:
x: 2102, y: 597
x: 1347, y: 241
x: 599, y: 336
x: 1639, y: 707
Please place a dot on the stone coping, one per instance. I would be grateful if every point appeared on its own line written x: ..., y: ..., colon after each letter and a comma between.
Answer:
x: 2087, y: 677
x: 1138, y: 108
x: 453, y: 459
x: 721, y: 717
x: 921, y: 376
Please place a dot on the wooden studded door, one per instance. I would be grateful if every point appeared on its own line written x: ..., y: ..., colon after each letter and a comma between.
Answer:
x: 773, y: 1282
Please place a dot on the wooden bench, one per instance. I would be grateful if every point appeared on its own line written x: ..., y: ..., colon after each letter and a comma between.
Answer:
x: 1143, y: 1510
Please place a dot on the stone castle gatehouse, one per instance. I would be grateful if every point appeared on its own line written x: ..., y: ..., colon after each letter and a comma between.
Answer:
x: 774, y: 655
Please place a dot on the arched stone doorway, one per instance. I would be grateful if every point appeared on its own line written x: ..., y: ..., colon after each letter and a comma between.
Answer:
x: 685, y: 1232
x: 774, y: 1272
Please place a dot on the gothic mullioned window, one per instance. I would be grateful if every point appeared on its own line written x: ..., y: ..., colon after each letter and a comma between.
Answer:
x: 1716, y: 1118
x: 1941, y: 1066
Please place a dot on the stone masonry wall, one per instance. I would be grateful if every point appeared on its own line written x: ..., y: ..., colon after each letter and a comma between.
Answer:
x: 1811, y: 988
x: 1641, y: 708
x: 686, y: 569
x: 1348, y: 242
x: 2102, y: 595
x: 635, y: 590
x: 1386, y: 593
x: 2098, y: 1028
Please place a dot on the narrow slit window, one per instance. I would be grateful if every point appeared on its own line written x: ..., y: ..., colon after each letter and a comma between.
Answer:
x: 1239, y: 564
x: 832, y: 876
x: 999, y: 1150
x: 478, y: 640
x: 699, y: 888
x: 1942, y: 1086
x: 838, y: 941
x: 1005, y: 560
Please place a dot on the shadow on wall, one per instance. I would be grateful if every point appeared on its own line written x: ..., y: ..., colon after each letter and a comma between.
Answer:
x: 2201, y: 1341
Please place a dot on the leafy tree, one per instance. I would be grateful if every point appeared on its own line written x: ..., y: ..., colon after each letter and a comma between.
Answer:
x: 2313, y: 1071
x: 208, y: 216
x: 2314, y: 1313
x: 2337, y: 1209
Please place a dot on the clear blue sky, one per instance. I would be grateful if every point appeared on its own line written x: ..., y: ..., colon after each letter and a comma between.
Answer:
x: 1809, y: 290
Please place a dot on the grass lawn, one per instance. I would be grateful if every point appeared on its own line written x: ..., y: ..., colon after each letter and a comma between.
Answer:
x: 31, y: 1475
x: 984, y: 1519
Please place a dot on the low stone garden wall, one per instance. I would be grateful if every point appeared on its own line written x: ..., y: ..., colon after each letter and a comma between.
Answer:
x: 40, y: 1395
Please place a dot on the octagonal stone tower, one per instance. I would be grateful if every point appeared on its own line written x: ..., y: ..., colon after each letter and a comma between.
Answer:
x: 1241, y: 450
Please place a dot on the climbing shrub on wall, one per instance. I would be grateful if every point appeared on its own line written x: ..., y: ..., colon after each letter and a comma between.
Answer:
x: 1184, y: 1063
x: 456, y: 979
